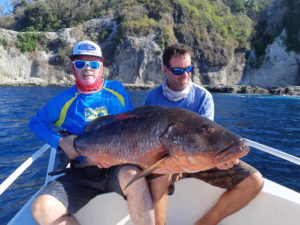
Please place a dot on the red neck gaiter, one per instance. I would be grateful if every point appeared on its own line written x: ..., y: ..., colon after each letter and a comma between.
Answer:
x: 89, y: 89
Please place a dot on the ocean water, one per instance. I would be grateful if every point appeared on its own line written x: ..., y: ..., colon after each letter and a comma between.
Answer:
x: 270, y: 120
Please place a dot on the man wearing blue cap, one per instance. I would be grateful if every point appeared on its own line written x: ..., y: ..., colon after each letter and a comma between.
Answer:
x: 91, y: 97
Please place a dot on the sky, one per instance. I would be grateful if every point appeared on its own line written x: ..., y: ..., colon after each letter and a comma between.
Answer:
x: 6, y: 5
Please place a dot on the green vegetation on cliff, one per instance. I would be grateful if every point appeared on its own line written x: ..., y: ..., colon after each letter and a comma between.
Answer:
x: 292, y: 24
x: 28, y: 42
x: 226, y: 23
x: 210, y: 20
x: 269, y: 26
x: 281, y: 15
x: 220, y: 24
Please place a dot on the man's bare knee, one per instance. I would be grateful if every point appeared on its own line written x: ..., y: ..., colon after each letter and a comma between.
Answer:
x: 253, y: 182
x: 47, y: 209
x: 126, y: 174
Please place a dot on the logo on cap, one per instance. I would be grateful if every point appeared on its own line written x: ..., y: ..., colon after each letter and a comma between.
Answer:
x: 86, y: 47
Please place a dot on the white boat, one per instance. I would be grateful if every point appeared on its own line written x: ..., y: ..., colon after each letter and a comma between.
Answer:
x: 275, y: 205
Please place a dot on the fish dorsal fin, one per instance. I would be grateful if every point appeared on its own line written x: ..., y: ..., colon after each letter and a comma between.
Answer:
x: 147, y: 171
x: 102, y: 121
x: 99, y: 122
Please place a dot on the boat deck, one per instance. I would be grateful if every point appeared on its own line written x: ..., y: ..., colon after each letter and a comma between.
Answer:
x: 275, y: 205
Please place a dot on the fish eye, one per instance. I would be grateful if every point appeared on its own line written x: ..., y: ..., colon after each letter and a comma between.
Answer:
x: 206, y: 129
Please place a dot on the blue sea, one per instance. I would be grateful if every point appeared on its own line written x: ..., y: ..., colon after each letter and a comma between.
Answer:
x: 270, y: 120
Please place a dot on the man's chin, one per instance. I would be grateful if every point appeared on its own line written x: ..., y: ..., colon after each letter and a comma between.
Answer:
x: 183, y: 86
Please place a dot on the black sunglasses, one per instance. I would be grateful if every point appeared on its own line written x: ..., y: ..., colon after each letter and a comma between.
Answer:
x: 180, y: 71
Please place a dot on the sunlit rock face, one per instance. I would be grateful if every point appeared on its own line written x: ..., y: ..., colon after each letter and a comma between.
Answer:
x: 17, y: 68
x: 280, y: 68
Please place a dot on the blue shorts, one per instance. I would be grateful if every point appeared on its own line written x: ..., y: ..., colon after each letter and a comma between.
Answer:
x: 80, y: 185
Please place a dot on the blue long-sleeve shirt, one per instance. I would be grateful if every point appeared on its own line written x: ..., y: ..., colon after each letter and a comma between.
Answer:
x: 198, y: 100
x: 72, y: 110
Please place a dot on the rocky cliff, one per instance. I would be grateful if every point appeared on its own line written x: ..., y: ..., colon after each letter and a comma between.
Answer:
x: 279, y: 67
x: 17, y: 68
x: 275, y: 59
x: 133, y: 56
x: 136, y: 60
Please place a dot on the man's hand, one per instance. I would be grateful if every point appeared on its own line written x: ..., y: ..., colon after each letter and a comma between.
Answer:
x: 66, y: 144
x: 103, y: 165
x: 227, y: 165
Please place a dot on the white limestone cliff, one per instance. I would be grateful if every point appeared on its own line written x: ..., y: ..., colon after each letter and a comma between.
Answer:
x: 280, y: 68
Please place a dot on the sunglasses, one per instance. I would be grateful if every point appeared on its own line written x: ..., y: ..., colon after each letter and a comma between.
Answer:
x: 80, y: 64
x: 180, y: 71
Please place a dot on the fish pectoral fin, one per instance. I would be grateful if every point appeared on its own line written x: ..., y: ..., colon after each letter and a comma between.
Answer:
x: 147, y: 171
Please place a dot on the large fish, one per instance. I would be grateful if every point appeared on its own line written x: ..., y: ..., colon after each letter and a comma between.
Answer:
x: 159, y: 140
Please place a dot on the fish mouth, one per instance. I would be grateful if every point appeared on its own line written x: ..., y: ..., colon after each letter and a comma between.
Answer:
x: 234, y: 151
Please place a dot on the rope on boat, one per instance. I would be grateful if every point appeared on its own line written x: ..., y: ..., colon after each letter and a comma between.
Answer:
x: 274, y: 151
x: 9, y: 180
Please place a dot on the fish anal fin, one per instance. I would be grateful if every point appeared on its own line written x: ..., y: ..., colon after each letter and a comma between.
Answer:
x: 147, y: 171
